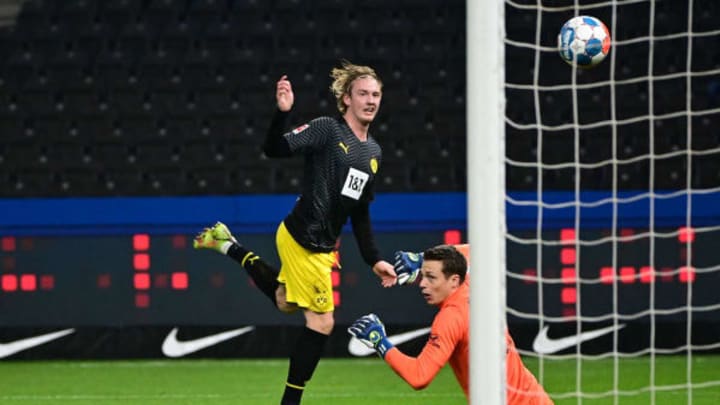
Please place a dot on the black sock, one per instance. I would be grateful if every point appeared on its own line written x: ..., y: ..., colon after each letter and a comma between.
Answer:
x: 263, y: 274
x: 303, y: 360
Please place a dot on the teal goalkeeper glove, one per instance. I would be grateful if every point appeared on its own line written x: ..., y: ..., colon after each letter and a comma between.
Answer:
x: 370, y: 330
x: 407, y: 266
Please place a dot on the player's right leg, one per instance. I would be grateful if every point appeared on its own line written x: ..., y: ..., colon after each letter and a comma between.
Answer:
x: 220, y: 239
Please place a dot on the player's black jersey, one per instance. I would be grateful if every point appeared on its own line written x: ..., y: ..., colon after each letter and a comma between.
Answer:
x: 339, y: 176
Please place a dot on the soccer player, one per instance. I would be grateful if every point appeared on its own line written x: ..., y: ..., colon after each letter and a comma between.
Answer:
x: 341, y: 161
x: 444, y: 283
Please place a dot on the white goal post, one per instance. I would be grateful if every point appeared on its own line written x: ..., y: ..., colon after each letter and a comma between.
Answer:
x: 486, y: 199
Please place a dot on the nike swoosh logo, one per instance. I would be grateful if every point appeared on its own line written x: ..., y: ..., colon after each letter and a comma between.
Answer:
x: 8, y: 349
x: 358, y: 348
x: 545, y: 345
x: 172, y: 347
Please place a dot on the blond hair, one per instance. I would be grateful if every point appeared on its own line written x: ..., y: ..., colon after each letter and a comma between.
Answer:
x: 344, y: 77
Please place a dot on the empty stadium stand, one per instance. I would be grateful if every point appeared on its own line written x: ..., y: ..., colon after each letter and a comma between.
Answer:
x: 155, y: 97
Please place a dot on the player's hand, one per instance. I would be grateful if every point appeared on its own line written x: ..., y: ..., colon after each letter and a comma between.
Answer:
x: 370, y: 330
x: 407, y: 266
x: 284, y: 94
x: 385, y: 271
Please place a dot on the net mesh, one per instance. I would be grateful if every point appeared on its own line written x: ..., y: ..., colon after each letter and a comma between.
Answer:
x: 613, y: 184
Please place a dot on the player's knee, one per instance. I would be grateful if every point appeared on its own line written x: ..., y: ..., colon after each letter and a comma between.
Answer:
x: 287, y: 308
x: 323, y: 324
x: 282, y: 303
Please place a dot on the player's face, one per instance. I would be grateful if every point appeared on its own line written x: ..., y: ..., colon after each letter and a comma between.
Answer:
x: 363, y: 102
x: 435, y: 287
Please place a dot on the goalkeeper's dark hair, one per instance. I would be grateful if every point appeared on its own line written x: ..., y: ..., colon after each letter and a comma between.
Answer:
x: 453, y: 261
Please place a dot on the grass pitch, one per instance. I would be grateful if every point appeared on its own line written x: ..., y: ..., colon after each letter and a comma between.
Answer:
x: 336, y: 381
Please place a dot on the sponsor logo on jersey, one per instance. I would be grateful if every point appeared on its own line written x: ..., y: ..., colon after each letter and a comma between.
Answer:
x: 343, y: 147
x: 300, y: 128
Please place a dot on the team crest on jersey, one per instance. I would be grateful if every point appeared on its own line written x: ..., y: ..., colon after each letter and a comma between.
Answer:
x: 374, y: 165
x: 300, y: 129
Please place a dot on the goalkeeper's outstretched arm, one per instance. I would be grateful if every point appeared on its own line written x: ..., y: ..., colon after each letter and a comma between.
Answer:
x: 419, y: 371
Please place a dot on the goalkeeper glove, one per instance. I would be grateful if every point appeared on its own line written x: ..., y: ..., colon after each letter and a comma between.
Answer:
x: 407, y: 266
x: 370, y: 330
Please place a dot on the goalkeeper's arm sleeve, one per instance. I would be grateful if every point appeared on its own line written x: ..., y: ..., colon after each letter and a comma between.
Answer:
x: 421, y: 370
x: 275, y: 143
x: 362, y: 230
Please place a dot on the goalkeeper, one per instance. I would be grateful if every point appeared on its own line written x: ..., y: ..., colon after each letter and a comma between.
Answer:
x: 445, y: 284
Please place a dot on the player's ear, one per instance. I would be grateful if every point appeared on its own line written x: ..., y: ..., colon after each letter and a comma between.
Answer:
x: 346, y: 99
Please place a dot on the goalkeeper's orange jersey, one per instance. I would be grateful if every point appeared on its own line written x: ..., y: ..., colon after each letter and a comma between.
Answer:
x: 449, y: 343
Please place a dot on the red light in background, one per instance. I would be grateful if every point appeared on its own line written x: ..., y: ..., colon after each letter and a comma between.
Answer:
x: 647, y: 274
x: 606, y: 275
x: 9, y: 282
x: 141, y: 281
x: 217, y: 280
x: 568, y: 295
x: 335, y: 276
x: 568, y: 275
x: 161, y: 281
x: 141, y: 241
x: 47, y: 282
x: 141, y: 261
x: 567, y: 236
x: 627, y: 232
x: 179, y: 242
x: 179, y: 281
x: 666, y: 275
x: 8, y: 263
x: 28, y: 282
x: 567, y: 256
x: 686, y: 235
x: 142, y: 300
x: 627, y: 274
x: 568, y: 312
x: 27, y: 244
x: 104, y: 280
x: 336, y: 298
x: 452, y: 237
x: 8, y: 243
x: 687, y: 274
x: 530, y: 273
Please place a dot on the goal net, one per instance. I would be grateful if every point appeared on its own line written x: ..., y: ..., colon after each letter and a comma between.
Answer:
x: 613, y: 201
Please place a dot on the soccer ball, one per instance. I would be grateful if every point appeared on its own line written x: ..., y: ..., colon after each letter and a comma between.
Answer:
x: 584, y: 40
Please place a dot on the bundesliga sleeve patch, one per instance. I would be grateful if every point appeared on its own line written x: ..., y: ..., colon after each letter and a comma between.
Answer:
x: 300, y: 128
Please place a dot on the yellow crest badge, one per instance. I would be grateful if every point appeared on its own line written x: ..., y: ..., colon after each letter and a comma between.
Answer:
x: 374, y: 165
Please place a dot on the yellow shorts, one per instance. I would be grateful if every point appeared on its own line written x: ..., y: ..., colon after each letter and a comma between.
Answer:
x: 305, y: 274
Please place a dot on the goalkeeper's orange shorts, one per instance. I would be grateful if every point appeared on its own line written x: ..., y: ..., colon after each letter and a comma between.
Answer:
x: 305, y: 274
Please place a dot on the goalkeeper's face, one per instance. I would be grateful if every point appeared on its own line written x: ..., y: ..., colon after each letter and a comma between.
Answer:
x: 435, y: 285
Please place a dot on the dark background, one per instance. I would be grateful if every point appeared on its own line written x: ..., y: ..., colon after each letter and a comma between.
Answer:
x: 162, y: 105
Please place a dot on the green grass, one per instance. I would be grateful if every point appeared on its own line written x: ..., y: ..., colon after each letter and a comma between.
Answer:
x: 336, y: 381
x: 634, y: 380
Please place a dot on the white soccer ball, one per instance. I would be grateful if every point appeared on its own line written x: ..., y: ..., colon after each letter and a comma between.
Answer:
x: 584, y: 40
